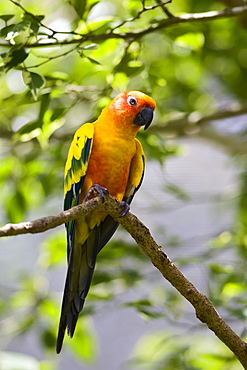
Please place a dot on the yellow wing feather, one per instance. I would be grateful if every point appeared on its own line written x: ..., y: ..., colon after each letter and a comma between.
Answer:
x: 136, y: 171
x: 78, y: 156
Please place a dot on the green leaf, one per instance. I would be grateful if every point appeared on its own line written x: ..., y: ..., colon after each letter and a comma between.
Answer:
x: 46, y: 365
x: 48, y: 339
x: 139, y: 303
x: 5, y: 30
x: 194, y: 41
x: 29, y: 127
x: 29, y: 131
x: 79, y: 6
x: 15, y: 56
x: 22, y: 26
x: 6, y: 168
x: 6, y: 17
x: 54, y: 249
x: 44, y: 104
x: 93, y: 61
x: 177, y: 191
x: 57, y: 113
x: 129, y: 65
x: 16, y: 207
x: 30, y: 18
x: 34, y: 82
x: 97, y: 25
x: 49, y: 308
x: 34, y: 22
x: 84, y: 334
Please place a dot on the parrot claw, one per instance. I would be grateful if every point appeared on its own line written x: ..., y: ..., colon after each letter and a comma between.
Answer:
x: 96, y: 190
x: 126, y: 208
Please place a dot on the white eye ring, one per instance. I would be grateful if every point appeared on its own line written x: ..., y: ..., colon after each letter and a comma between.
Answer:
x: 132, y: 101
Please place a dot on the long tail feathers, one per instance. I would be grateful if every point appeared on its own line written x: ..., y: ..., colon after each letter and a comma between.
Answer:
x: 79, y: 276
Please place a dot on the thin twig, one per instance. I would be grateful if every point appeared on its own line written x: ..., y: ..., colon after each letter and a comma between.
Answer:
x: 138, y: 15
x: 53, y: 32
x: 184, y: 18
x: 50, y: 222
x: 48, y: 59
x: 165, y: 10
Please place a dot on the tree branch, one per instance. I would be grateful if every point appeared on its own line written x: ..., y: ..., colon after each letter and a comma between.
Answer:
x: 50, y: 222
x: 131, y: 36
x: 204, y: 309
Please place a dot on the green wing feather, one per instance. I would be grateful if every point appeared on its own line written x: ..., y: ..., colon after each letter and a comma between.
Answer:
x: 75, y: 171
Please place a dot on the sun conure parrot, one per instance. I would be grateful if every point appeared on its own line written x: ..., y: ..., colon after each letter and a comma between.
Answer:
x: 103, y: 154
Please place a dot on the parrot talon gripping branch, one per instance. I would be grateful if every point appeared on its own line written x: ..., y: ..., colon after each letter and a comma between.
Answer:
x: 96, y: 190
x: 126, y: 208
x: 104, y: 156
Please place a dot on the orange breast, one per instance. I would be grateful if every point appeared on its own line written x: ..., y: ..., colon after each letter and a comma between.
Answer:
x: 109, y: 165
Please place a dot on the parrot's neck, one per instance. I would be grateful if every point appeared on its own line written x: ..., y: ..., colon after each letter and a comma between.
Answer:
x: 117, y: 126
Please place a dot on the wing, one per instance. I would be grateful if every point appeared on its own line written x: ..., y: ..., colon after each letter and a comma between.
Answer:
x: 75, y: 171
x: 136, y: 174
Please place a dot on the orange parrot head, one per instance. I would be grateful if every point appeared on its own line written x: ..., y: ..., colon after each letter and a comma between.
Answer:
x: 132, y: 109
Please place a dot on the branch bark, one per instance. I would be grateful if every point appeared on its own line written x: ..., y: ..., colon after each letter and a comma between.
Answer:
x: 204, y: 309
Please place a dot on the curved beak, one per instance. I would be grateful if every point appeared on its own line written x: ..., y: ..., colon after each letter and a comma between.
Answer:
x: 144, y: 117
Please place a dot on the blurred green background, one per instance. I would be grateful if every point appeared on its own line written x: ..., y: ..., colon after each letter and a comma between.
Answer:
x: 194, y: 196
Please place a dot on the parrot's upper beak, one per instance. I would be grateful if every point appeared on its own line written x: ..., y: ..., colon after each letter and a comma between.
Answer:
x: 144, y: 117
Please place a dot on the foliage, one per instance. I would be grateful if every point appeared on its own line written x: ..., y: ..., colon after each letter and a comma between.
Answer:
x: 60, y: 63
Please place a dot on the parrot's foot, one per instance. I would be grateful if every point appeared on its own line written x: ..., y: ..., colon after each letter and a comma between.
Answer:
x: 126, y: 208
x: 96, y: 190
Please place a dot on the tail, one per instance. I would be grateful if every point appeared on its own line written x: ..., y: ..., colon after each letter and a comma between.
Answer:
x: 79, y: 276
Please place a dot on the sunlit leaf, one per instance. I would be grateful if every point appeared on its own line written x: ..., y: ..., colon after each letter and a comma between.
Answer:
x: 79, y: 6
x: 16, y: 207
x: 6, y: 30
x: 34, y: 82
x: 177, y: 191
x: 84, y: 334
x: 57, y: 113
x: 233, y: 289
x: 34, y: 22
x: 194, y: 40
x: 15, y: 56
x: 129, y: 66
x: 53, y: 249
x: 46, y: 365
x: 6, y: 17
x: 49, y: 308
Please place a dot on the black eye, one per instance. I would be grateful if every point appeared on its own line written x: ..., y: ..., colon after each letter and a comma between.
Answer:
x: 132, y: 101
